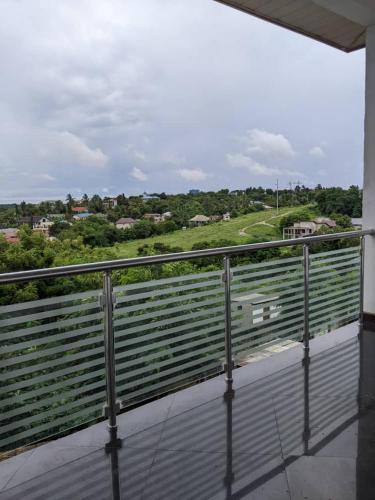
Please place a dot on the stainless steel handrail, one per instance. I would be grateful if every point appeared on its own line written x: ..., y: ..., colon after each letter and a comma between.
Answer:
x: 112, y: 406
x: 71, y: 270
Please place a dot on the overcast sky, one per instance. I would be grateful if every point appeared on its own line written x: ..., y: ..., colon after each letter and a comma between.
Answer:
x: 169, y: 95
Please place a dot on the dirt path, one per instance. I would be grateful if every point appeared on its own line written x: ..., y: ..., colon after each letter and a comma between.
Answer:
x: 242, y: 232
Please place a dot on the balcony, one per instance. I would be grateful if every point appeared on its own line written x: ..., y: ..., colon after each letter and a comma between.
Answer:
x: 250, y: 381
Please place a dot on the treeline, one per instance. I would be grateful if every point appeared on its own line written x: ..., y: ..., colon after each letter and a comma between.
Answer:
x: 185, y: 206
x: 98, y: 232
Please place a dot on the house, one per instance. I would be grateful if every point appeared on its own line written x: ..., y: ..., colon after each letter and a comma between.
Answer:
x: 43, y: 223
x: 125, y: 223
x: 324, y: 221
x: 226, y: 217
x: 307, y: 228
x: 79, y: 210
x: 30, y: 220
x: 194, y: 191
x: 156, y: 218
x: 110, y: 203
x: 10, y: 234
x: 199, y: 220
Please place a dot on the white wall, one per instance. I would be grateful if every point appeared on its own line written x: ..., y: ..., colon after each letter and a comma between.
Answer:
x: 369, y: 173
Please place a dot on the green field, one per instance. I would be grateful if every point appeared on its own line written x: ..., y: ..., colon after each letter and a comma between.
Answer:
x: 257, y: 226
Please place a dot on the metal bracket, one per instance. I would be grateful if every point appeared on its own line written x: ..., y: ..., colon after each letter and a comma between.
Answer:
x: 224, y: 278
x: 105, y: 411
x: 103, y: 302
x: 229, y: 395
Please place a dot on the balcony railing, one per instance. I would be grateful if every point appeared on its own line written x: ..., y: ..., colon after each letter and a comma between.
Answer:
x: 64, y: 359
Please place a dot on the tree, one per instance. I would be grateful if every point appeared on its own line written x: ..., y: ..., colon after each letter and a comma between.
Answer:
x: 96, y: 204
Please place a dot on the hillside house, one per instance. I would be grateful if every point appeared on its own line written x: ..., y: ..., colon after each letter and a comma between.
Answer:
x: 199, y: 220
x: 307, y: 228
x: 156, y: 218
x: 125, y: 223
x: 110, y: 203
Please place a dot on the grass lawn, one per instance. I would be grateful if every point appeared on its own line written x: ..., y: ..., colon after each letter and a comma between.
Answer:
x: 244, y: 229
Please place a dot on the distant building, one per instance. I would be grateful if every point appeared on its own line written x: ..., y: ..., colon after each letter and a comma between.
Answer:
x: 148, y: 197
x: 44, y: 223
x: 194, y: 191
x: 30, y: 220
x: 215, y: 218
x: 307, y: 228
x: 79, y: 210
x: 226, y: 217
x: 82, y: 215
x: 154, y: 218
x: 110, y: 203
x: 199, y: 220
x: 267, y: 207
x: 10, y: 234
x: 125, y: 223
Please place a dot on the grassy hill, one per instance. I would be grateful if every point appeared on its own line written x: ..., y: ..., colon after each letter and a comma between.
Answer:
x: 257, y: 226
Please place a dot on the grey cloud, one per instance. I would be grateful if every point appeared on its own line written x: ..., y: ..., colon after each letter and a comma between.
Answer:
x: 163, y: 86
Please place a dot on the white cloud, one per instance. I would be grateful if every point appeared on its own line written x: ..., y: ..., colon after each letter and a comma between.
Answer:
x: 172, y: 159
x: 192, y: 174
x: 239, y: 160
x: 267, y: 144
x: 138, y: 174
x: 317, y: 152
x: 76, y: 150
x: 47, y: 177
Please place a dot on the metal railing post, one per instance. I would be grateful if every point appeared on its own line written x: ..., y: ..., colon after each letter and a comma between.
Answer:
x: 306, y: 345
x: 228, y: 322
x: 112, y: 405
x: 361, y: 283
x: 360, y: 326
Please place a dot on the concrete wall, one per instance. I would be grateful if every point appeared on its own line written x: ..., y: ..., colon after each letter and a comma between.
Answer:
x: 369, y: 173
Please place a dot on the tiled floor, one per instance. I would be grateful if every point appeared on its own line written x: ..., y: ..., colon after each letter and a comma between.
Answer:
x: 198, y: 444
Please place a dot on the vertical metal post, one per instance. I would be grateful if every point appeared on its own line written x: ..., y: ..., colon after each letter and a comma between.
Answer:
x: 306, y: 294
x: 229, y: 476
x: 360, y: 326
x: 361, y: 283
x: 112, y: 406
x: 228, y: 321
x: 306, y: 346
